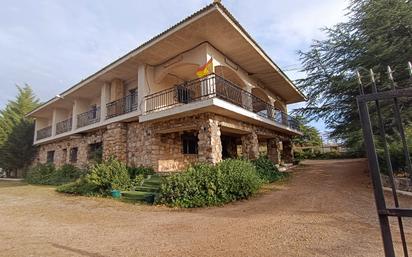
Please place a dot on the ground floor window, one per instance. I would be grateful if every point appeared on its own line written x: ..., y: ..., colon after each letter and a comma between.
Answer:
x: 73, y: 154
x: 50, y: 156
x: 64, y: 155
x: 95, y: 152
x: 189, y: 143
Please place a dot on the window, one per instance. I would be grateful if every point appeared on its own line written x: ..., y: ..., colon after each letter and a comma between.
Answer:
x: 64, y: 155
x: 95, y: 152
x: 73, y: 154
x: 189, y: 143
x: 50, y: 156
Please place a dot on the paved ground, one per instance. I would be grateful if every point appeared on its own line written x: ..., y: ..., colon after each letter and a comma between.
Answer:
x: 326, y: 209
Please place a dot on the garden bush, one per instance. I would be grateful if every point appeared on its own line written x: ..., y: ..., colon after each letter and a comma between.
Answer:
x: 109, y: 175
x: 79, y: 187
x: 208, y: 185
x: 48, y: 174
x: 267, y: 170
x: 141, y: 170
x: 103, y: 178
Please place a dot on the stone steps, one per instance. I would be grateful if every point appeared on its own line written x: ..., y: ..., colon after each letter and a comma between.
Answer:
x: 147, y: 192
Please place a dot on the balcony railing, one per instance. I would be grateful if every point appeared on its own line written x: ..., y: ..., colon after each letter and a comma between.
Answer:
x: 216, y: 86
x: 44, y: 132
x: 122, y: 106
x: 64, y: 126
x: 87, y: 118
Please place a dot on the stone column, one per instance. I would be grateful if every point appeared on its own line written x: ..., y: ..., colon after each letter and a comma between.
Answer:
x: 115, y: 142
x: 287, y: 151
x: 250, y: 146
x: 273, y: 150
x: 209, y: 145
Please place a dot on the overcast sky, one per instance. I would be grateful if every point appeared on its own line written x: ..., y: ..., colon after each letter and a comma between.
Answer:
x: 53, y: 44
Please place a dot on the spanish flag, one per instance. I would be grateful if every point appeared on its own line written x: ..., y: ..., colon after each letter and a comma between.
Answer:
x: 205, y: 69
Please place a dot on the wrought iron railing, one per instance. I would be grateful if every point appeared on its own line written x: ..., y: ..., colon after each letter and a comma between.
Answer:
x: 87, y: 118
x: 122, y: 106
x: 64, y: 126
x: 44, y: 133
x: 216, y: 86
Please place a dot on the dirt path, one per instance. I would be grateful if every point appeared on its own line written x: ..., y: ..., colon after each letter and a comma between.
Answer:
x: 327, y: 209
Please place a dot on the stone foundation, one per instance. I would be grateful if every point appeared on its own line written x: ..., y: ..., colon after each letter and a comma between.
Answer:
x: 115, y: 141
x: 62, y: 149
x: 159, y: 144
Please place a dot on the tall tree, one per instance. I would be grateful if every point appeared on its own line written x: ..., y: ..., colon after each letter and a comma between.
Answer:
x: 377, y: 33
x: 310, y: 137
x: 16, y: 131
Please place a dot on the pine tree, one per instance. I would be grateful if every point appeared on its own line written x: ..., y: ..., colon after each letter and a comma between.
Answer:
x: 378, y: 33
x: 310, y: 137
x: 16, y: 131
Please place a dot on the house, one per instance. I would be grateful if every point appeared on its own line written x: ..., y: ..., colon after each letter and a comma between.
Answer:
x: 201, y: 91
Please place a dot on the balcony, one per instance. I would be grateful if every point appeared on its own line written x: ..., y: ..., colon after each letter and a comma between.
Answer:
x: 64, y: 126
x: 44, y: 133
x: 214, y: 86
x: 87, y: 118
x: 122, y: 106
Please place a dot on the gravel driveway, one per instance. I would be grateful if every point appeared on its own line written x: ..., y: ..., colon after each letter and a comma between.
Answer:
x: 326, y: 209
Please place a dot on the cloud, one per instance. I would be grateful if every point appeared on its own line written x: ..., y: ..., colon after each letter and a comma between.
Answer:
x: 53, y: 44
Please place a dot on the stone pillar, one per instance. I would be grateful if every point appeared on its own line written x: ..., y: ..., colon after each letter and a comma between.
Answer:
x: 209, y: 145
x: 273, y: 150
x: 287, y: 151
x: 250, y: 146
x: 115, y: 142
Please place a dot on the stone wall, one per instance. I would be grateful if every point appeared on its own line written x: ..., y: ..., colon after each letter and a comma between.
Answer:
x: 250, y: 146
x: 163, y: 152
x: 159, y: 145
x: 403, y: 184
x: 62, y: 149
x: 115, y: 141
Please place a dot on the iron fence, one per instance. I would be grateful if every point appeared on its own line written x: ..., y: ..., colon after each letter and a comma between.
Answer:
x: 44, y: 133
x: 64, y: 126
x: 372, y: 101
x: 122, y: 106
x: 215, y: 86
x: 87, y: 118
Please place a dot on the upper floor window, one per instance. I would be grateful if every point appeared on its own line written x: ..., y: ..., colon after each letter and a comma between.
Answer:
x: 73, y: 154
x: 50, y: 156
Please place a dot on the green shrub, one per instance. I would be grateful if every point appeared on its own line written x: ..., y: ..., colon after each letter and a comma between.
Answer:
x: 47, y: 174
x: 109, y: 175
x: 80, y: 187
x: 145, y: 171
x: 267, y: 170
x: 240, y: 178
x: 41, y: 174
x: 208, y: 185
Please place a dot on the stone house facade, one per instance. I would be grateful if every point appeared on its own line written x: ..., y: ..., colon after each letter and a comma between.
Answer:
x: 149, y: 108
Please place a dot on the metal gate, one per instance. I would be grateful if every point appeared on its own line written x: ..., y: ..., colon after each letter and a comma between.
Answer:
x: 373, y: 126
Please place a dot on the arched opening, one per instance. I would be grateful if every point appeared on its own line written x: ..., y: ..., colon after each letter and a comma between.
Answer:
x: 230, y: 75
x: 178, y: 74
x: 279, y: 106
x: 231, y: 92
x: 260, y: 103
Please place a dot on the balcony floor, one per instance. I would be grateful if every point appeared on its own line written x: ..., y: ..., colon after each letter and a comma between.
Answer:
x: 221, y: 107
